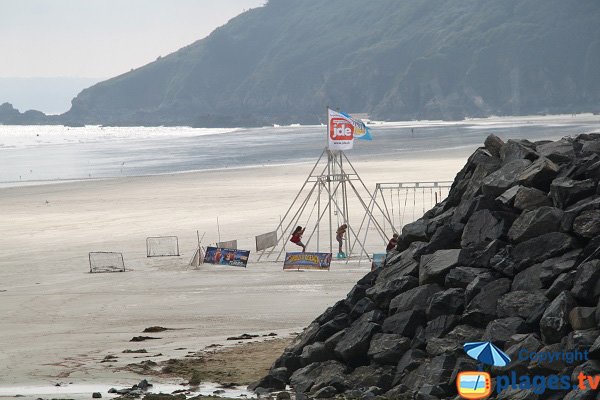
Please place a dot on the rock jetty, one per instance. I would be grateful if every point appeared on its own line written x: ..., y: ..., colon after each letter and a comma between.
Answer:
x: 512, y: 256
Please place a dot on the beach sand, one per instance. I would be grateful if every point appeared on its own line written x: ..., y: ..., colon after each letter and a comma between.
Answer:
x: 59, y: 322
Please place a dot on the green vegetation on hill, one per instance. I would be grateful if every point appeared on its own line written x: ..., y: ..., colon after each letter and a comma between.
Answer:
x: 394, y: 59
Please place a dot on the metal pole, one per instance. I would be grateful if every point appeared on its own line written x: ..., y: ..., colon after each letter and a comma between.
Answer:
x: 329, y: 163
x: 319, y: 214
x: 218, y: 229
x: 292, y: 205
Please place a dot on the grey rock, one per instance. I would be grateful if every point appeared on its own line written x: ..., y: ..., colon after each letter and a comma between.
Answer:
x: 530, y: 198
x: 508, y: 197
x: 581, y: 340
x: 361, y: 307
x: 387, y: 348
x: 460, y: 277
x: 370, y: 376
x: 440, y: 326
x: 96, y: 395
x: 582, y: 318
x: 482, y: 309
x: 559, y: 152
x: 484, y: 226
x: 587, y: 224
x: 478, y: 283
x: 553, y: 267
x: 325, y: 393
x: 317, y: 375
x: 590, y: 203
x: 501, y: 180
x: 493, y: 144
x: 565, y: 191
x: 564, y: 282
x: 384, y: 291
x: 501, y: 330
x: 517, y: 150
x: 555, y: 321
x: 528, y: 279
x: 587, y: 282
x: 534, y: 223
x: 520, y: 303
x: 448, y: 302
x: 283, y: 396
x: 315, y: 352
x: 415, y: 231
x: 353, y: 347
x: 404, y: 323
x: 410, y: 360
x: 414, y: 299
x: 543, y: 247
x: 434, y: 267
x: 276, y: 379
x: 539, y: 174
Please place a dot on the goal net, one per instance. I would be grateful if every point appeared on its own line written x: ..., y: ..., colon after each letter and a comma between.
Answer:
x: 161, y: 246
x: 103, y: 261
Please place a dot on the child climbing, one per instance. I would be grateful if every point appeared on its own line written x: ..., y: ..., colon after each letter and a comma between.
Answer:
x: 339, y: 236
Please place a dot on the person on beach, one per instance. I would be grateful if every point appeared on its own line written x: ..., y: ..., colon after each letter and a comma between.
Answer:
x: 392, y: 243
x: 297, y: 237
x: 339, y: 236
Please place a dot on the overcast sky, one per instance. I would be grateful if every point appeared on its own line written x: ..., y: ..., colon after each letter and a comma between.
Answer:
x: 102, y: 38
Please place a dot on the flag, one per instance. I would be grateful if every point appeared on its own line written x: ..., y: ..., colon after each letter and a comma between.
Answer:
x: 342, y: 129
x: 361, y: 131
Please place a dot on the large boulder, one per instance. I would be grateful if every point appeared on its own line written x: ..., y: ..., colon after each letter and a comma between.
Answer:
x: 319, y: 375
x: 482, y: 309
x: 520, y: 303
x: 555, y: 321
x: 543, y: 247
x: 586, y: 288
x: 565, y: 191
x: 387, y: 348
x: 499, y: 181
x: 354, y: 345
x: 414, y: 299
x: 559, y: 152
x: 539, y: 174
x: 534, y: 223
x: 485, y: 226
x: 530, y: 198
x: 587, y: 224
x: 434, y: 267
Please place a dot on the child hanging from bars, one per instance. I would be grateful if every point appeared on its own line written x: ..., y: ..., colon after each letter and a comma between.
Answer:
x: 297, y: 237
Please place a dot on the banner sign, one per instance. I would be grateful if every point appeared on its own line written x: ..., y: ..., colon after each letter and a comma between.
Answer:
x: 299, y: 261
x: 266, y: 240
x: 232, y: 244
x: 340, y: 130
x: 221, y: 256
x: 378, y: 260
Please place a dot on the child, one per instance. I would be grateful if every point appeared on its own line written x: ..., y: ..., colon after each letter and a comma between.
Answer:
x: 339, y: 236
x: 297, y: 237
x: 392, y: 243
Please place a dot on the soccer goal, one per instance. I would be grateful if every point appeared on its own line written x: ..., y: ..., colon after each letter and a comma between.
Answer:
x: 106, y: 261
x: 162, y: 246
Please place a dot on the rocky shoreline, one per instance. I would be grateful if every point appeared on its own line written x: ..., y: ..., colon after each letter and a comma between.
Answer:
x: 512, y: 256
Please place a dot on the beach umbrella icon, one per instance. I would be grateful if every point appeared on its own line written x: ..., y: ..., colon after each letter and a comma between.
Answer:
x: 487, y: 353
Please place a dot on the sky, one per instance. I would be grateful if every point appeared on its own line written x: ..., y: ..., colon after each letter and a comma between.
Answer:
x: 102, y: 38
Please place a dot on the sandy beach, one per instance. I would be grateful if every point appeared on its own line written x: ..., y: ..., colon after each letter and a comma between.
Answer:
x: 59, y: 321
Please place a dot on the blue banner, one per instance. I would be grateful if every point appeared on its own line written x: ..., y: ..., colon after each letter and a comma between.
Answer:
x: 220, y: 256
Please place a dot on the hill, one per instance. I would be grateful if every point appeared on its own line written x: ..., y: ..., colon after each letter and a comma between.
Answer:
x: 393, y: 59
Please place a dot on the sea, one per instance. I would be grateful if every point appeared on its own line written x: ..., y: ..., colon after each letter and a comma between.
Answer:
x: 31, y: 155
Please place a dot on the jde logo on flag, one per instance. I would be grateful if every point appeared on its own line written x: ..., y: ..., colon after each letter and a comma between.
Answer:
x: 341, y: 131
